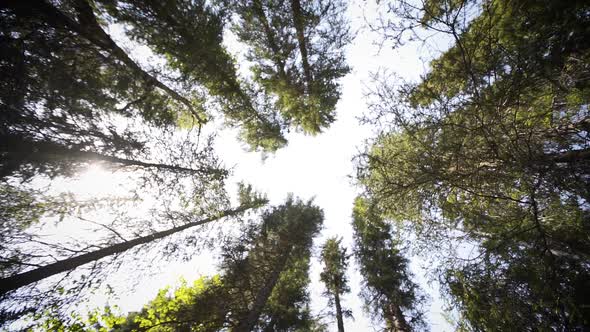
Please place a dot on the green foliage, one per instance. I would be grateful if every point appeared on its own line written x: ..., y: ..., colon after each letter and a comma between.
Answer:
x: 19, y: 208
x: 188, y: 307
x: 201, y: 59
x: 287, y: 308
x: 278, y: 247
x: 267, y: 268
x: 499, y: 291
x: 72, y: 95
x: 68, y: 88
x: 22, y: 208
x: 194, y: 308
x: 388, y: 291
x: 49, y: 321
x: 335, y: 260
x: 297, y: 51
x: 491, y: 147
x: 249, y: 197
x: 333, y: 275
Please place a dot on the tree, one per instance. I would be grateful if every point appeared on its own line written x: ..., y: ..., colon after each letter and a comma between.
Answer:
x: 489, y: 148
x: 170, y: 310
x: 23, y: 158
x: 74, y: 72
x: 284, y: 238
x: 196, y: 308
x: 297, y: 51
x: 388, y: 291
x: 94, y: 260
x: 69, y: 86
x: 61, y: 89
x: 335, y: 260
x: 499, y: 290
x: 23, y: 208
x: 201, y: 58
x: 261, y: 287
x: 65, y: 103
x: 32, y: 276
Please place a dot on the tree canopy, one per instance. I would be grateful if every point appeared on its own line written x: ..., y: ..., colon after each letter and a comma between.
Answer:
x: 128, y: 86
x: 335, y: 261
x: 262, y: 285
x: 479, y: 168
x: 297, y: 51
x: 491, y: 148
x: 388, y: 291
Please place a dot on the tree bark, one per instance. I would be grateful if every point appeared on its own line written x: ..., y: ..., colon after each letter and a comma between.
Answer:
x: 338, y: 311
x: 29, y: 277
x: 23, y: 150
x: 300, y: 30
x: 247, y: 324
x: 571, y: 156
x: 397, y: 320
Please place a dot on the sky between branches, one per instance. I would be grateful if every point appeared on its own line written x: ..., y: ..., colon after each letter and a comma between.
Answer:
x: 317, y: 167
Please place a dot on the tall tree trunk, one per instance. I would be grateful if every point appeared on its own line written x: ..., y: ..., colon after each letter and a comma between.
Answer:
x: 248, y: 323
x: 18, y: 151
x: 570, y: 156
x: 29, y: 277
x: 300, y: 30
x: 279, y: 62
x: 338, y: 311
x: 90, y: 29
x: 396, y: 318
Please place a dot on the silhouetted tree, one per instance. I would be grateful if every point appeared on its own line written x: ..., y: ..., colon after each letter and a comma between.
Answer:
x: 388, y: 291
x: 333, y: 275
x: 490, y: 148
x: 262, y: 285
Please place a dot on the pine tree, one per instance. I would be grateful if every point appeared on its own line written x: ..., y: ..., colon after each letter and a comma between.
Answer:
x: 333, y: 275
x: 297, y: 50
x: 66, y: 80
x: 22, y: 279
x: 489, y: 148
x: 201, y: 58
x: 282, y: 242
x: 262, y: 285
x: 75, y: 74
x: 21, y: 294
x: 388, y: 291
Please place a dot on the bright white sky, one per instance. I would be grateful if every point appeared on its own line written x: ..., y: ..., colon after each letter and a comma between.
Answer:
x: 319, y: 167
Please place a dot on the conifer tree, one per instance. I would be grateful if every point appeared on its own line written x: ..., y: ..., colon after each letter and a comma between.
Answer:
x: 388, y: 291
x: 297, y: 51
x: 262, y: 285
x: 22, y: 279
x: 24, y: 288
x: 333, y: 275
x: 489, y: 149
x: 284, y: 238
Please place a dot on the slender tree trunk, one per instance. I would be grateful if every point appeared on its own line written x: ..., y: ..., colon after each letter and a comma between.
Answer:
x: 338, y: 311
x: 91, y: 30
x: 248, y: 323
x: 570, y: 156
x: 300, y: 30
x: 23, y: 150
x: 90, y: 25
x: 29, y: 277
x: 396, y: 319
x: 279, y: 62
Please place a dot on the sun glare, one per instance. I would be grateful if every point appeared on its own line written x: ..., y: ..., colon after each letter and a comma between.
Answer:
x: 95, y: 181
